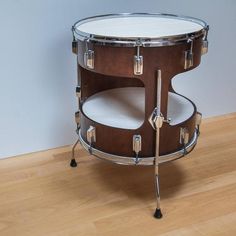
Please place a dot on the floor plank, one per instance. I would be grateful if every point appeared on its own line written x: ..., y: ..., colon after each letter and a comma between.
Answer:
x: 41, y: 195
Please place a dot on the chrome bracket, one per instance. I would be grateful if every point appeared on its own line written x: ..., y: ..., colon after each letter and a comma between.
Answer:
x: 138, y: 62
x: 88, y: 56
x: 77, y: 114
x: 91, y: 137
x: 77, y: 117
x: 137, y: 146
x: 205, y: 41
x: 74, y: 42
x: 156, y: 120
x: 188, y: 55
x: 198, y: 122
x: 184, y: 138
x: 78, y: 91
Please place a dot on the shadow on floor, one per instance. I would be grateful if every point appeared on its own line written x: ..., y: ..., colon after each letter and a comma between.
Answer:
x: 138, y: 181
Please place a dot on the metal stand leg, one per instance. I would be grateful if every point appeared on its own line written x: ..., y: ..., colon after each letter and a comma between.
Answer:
x: 156, y: 120
x: 73, y: 162
x: 157, y: 213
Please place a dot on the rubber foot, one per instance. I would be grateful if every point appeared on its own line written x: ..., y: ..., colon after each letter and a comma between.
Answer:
x: 73, y: 163
x: 158, y: 214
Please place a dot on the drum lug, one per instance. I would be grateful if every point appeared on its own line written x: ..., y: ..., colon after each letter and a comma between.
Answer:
x: 138, y: 63
x: 205, y: 42
x: 78, y: 91
x: 89, y: 59
x: 77, y: 117
x: 184, y: 138
x: 198, y: 122
x: 77, y: 114
x: 74, y: 42
x: 204, y: 46
x: 137, y: 146
x: 188, y: 55
x: 91, y: 137
x: 88, y: 56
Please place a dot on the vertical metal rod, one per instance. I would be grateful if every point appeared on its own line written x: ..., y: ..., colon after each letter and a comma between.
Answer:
x: 73, y: 149
x: 138, y: 51
x: 159, y: 92
x: 158, y: 213
x: 73, y: 162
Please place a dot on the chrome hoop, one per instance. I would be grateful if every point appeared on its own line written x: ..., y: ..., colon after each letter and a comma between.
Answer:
x: 132, y: 42
x: 122, y: 160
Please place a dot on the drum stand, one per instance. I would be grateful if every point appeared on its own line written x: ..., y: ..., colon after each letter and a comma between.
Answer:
x: 156, y: 120
x: 73, y: 162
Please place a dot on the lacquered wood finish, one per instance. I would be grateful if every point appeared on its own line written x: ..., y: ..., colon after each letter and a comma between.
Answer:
x: 113, y: 69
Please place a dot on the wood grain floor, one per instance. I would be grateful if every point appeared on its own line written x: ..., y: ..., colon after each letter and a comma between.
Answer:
x: 41, y: 195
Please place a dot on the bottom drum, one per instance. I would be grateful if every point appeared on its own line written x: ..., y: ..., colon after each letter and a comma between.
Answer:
x: 113, y: 120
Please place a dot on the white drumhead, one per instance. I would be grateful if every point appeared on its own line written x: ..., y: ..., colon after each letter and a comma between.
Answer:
x: 125, y: 108
x: 143, y: 26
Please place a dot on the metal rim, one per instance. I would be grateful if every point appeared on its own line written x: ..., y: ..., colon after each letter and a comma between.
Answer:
x: 122, y: 160
x: 134, y: 41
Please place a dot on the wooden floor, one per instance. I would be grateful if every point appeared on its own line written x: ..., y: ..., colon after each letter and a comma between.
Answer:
x: 41, y: 195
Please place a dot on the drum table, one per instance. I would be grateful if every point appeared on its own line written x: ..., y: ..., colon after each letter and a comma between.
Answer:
x: 128, y: 111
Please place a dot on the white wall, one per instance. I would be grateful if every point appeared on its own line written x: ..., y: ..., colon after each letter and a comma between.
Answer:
x: 38, y: 70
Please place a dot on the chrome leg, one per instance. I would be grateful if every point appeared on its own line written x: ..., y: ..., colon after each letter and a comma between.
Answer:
x: 156, y: 120
x: 73, y: 162
x: 157, y: 213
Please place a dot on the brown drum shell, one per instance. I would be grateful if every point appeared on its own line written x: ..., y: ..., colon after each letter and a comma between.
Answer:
x: 120, y: 141
x: 119, y: 61
x: 113, y: 69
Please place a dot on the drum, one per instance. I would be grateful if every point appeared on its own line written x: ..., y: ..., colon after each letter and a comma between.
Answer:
x: 128, y: 110
x: 118, y: 60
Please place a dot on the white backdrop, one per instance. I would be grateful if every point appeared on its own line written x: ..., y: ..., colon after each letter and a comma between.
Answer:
x: 38, y: 70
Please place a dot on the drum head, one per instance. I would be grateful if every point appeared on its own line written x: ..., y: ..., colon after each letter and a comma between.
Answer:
x: 125, y: 108
x: 138, y: 26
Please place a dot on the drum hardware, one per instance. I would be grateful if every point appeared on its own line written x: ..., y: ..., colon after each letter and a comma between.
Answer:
x: 74, y: 42
x: 147, y: 161
x: 77, y: 117
x: 91, y: 137
x: 138, y: 62
x: 205, y: 41
x: 184, y: 138
x: 168, y: 120
x: 78, y: 91
x: 137, y: 146
x: 147, y: 42
x: 73, y: 162
x: 198, y: 122
x: 88, y: 56
x: 158, y: 124
x: 155, y: 120
x: 188, y: 55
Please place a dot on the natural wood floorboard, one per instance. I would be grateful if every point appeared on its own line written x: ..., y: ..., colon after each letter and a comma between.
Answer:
x: 41, y: 195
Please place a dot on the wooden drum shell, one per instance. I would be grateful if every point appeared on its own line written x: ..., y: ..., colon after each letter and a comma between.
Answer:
x: 116, y: 65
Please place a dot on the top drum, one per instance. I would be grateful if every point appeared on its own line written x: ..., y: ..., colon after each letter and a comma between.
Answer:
x: 139, y: 28
x: 118, y: 44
